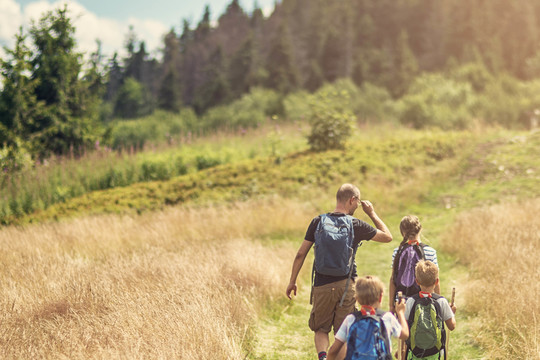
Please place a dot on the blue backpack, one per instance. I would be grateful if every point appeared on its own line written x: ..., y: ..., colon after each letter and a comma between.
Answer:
x: 404, y: 265
x: 334, y: 254
x: 368, y: 338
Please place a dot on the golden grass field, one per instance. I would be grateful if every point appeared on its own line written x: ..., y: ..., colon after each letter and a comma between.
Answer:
x: 501, y: 246
x: 183, y: 283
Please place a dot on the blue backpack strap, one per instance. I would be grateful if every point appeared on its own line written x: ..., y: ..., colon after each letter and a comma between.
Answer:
x: 322, y: 217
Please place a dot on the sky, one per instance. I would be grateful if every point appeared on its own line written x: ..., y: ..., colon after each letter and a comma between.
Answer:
x: 109, y: 20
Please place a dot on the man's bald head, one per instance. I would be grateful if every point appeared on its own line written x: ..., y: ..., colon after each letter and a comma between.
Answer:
x: 345, y: 192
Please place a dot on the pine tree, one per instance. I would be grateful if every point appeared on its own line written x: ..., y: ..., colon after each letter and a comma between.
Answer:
x: 18, y: 102
x: 215, y: 90
x: 170, y: 91
x: 66, y: 122
x: 405, y: 67
x: 282, y: 72
x: 240, y: 69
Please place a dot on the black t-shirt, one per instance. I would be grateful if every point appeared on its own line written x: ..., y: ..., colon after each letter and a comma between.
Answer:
x: 362, y: 231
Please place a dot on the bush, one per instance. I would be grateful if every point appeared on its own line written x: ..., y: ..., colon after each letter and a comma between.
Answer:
x: 159, y: 127
x: 475, y: 74
x: 297, y: 106
x: 206, y: 161
x: 502, y: 102
x: 14, y: 158
x: 435, y: 101
x: 155, y: 170
x: 374, y: 103
x: 332, y: 120
x: 250, y: 111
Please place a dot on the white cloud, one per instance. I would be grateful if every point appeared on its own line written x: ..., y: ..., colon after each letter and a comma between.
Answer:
x: 10, y: 19
x: 88, y: 25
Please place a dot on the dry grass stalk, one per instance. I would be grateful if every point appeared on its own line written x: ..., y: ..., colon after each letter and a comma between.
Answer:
x: 501, y: 244
x: 184, y: 283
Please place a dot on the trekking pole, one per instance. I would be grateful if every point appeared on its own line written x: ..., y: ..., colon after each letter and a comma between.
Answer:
x: 400, y: 342
x: 448, y: 332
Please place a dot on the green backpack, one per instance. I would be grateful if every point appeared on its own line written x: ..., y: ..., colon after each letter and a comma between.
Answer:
x: 427, y: 332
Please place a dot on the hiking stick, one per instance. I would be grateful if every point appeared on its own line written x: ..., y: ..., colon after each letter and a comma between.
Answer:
x: 448, y: 332
x: 400, y: 342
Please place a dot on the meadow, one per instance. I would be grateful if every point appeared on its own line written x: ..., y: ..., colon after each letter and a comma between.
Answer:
x: 195, y: 266
x: 182, y: 283
x: 500, y: 244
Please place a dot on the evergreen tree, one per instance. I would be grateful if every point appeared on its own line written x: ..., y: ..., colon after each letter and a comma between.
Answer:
x: 66, y: 122
x: 405, y: 67
x: 170, y: 92
x: 215, y: 90
x: 240, y: 69
x: 132, y: 100
x: 282, y: 72
x: 18, y: 103
x: 114, y: 78
x: 332, y: 56
x: 203, y: 28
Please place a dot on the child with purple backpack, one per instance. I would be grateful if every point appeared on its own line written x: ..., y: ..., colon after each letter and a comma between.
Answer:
x: 405, y: 257
x: 411, y: 250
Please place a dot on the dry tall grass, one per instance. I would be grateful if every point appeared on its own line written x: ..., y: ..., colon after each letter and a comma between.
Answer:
x: 184, y: 283
x: 501, y: 245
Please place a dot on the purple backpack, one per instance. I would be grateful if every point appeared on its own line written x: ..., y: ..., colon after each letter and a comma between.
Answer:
x: 404, y: 264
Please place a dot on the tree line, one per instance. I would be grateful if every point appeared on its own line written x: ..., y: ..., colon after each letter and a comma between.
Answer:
x: 53, y: 102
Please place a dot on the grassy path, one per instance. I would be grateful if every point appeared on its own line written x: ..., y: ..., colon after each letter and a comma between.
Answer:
x: 284, y: 334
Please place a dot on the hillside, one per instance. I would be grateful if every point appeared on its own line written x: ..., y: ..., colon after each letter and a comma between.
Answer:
x: 95, y: 275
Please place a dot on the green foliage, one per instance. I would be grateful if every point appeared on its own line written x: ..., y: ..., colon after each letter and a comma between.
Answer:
x: 251, y: 110
x: 14, y: 157
x: 435, y: 101
x: 297, y: 106
x: 282, y: 71
x: 133, y: 100
x: 46, y: 105
x: 367, y: 102
x: 332, y: 122
x: 377, y: 160
x: 60, y: 179
x: 374, y: 103
x: 157, y: 128
x: 475, y: 74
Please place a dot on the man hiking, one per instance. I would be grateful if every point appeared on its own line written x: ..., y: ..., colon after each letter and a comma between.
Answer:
x: 336, y: 236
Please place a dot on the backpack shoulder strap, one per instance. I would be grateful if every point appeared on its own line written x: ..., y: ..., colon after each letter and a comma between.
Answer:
x: 384, y: 333
x: 420, y: 250
x: 396, y: 261
x: 416, y: 299
x: 434, y: 298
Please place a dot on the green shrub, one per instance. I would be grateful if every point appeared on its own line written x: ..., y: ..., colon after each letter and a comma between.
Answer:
x: 435, y: 101
x: 155, y: 170
x: 502, y: 102
x: 332, y: 121
x: 297, y: 106
x: 206, y: 161
x: 476, y: 74
x: 374, y: 103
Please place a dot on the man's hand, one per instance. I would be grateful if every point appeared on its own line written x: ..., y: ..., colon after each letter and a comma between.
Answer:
x: 290, y: 289
x: 367, y: 206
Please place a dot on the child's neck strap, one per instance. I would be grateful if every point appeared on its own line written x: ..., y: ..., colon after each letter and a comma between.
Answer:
x: 366, y: 309
x: 424, y: 294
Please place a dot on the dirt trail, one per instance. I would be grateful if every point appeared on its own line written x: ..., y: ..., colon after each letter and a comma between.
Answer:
x: 286, y: 335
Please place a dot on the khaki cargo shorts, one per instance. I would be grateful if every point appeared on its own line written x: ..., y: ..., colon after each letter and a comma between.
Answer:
x: 326, y: 311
